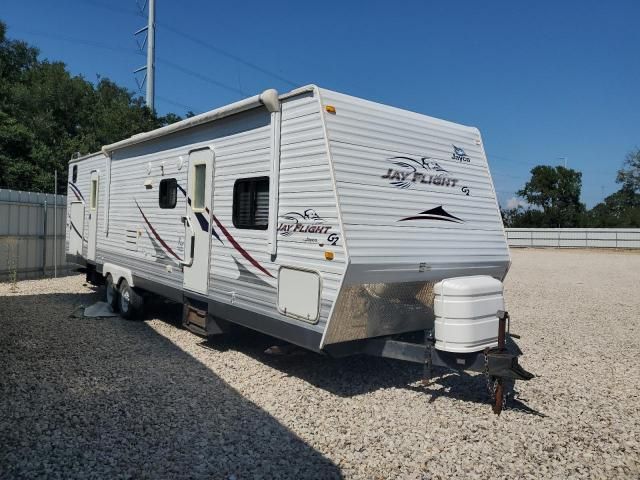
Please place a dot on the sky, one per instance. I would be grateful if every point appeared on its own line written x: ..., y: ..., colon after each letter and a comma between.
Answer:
x: 546, y: 82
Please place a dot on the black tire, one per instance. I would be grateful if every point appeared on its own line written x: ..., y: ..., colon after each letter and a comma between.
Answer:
x: 112, y: 295
x: 90, y: 275
x: 130, y: 301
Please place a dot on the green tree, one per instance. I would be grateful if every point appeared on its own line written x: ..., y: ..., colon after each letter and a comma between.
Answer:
x: 520, y: 217
x: 555, y: 192
x: 622, y: 208
x: 629, y: 174
x: 46, y: 115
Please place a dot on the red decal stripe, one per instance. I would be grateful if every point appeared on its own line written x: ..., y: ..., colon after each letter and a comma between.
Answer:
x: 242, y: 251
x: 155, y: 234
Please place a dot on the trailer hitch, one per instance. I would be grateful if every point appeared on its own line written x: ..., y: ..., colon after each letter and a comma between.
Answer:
x: 504, y: 364
x: 501, y: 364
x: 498, y: 363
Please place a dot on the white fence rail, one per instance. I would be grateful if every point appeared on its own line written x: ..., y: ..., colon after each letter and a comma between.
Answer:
x: 32, y: 234
x: 574, y: 237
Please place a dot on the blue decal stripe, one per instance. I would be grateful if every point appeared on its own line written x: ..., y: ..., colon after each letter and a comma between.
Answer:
x: 204, y: 223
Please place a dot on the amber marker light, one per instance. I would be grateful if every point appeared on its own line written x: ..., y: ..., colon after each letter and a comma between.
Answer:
x: 330, y: 108
x: 328, y: 255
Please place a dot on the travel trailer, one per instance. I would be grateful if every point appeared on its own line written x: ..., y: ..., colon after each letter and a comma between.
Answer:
x: 334, y: 223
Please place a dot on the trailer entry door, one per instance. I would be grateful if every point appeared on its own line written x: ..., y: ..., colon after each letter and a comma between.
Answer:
x: 94, y: 196
x: 198, y: 220
x: 76, y: 228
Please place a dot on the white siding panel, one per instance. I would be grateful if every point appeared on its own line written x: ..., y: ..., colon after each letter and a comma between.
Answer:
x: 302, y: 106
x: 242, y: 139
x: 370, y: 166
x: 147, y: 256
x: 378, y: 196
x: 365, y: 123
x: 304, y: 184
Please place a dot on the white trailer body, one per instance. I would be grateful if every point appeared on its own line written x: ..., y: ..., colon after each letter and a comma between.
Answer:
x: 315, y: 217
x: 84, y: 201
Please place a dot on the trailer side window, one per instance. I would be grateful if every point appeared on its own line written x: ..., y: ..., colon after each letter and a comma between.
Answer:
x: 74, y: 175
x: 168, y: 193
x: 93, y: 196
x: 199, y: 186
x: 251, y: 203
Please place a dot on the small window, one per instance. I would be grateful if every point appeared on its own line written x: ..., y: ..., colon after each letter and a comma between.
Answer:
x: 199, y: 182
x: 168, y: 193
x: 74, y: 175
x: 93, y: 198
x: 251, y: 203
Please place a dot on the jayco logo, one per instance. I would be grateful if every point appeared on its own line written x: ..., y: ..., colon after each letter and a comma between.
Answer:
x: 460, y: 155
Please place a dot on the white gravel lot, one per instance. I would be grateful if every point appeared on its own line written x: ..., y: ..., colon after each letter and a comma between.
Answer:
x: 108, y: 398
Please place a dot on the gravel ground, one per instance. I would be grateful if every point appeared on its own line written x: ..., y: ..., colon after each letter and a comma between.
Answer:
x: 109, y: 398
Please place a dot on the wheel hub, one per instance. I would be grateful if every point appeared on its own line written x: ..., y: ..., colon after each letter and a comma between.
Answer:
x: 124, y: 300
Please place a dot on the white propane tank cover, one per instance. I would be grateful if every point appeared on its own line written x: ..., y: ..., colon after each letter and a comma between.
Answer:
x: 466, y: 313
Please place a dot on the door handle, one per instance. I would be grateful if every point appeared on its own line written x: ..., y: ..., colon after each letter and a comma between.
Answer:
x: 187, y: 222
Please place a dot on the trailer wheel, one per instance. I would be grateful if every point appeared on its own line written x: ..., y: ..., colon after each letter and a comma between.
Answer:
x: 131, y: 302
x: 112, y: 294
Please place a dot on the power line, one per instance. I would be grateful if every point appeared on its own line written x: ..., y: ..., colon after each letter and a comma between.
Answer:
x: 123, y: 11
x: 195, y: 74
x: 229, y: 55
x: 200, y: 42
x: 80, y: 41
x: 132, y: 51
x: 177, y: 104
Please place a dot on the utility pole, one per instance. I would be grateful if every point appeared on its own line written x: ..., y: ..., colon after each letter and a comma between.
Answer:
x: 55, y: 224
x: 150, y: 42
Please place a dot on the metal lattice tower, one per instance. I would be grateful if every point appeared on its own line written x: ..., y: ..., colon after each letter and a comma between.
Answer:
x: 149, y: 41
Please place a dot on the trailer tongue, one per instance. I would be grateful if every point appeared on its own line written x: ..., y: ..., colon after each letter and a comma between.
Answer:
x: 497, y: 364
x: 470, y: 334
